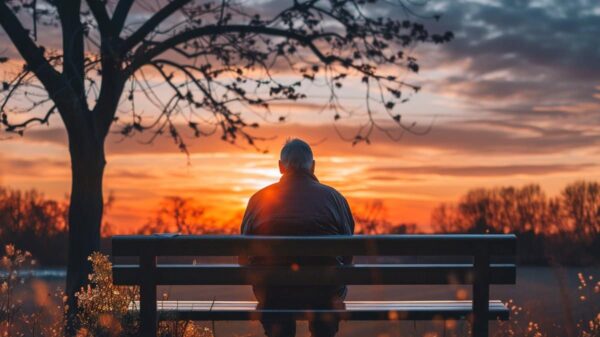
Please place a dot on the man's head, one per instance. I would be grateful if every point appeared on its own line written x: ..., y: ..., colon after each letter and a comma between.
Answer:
x: 296, y: 156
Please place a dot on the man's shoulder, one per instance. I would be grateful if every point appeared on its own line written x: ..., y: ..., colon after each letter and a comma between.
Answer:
x: 330, y: 190
x: 263, y: 192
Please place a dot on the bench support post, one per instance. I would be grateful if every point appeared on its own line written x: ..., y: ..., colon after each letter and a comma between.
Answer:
x: 481, y: 293
x: 148, y: 316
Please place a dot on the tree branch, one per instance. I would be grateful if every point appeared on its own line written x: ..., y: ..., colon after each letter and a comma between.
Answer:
x: 120, y: 15
x: 31, y: 53
x: 19, y: 128
x: 148, y: 26
x: 101, y: 15
x: 144, y: 56
x: 111, y: 90
x: 73, y: 51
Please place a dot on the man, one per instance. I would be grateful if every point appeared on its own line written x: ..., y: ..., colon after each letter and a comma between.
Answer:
x: 298, y: 205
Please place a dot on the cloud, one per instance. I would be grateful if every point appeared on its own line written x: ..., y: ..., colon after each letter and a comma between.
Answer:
x: 44, y: 167
x: 525, y: 69
x: 483, y: 171
x: 511, y: 57
x: 478, y: 137
x: 131, y: 174
x: 558, y: 37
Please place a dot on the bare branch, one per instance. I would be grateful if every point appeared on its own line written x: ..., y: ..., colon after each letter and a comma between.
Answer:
x: 31, y: 53
x: 20, y: 126
x: 152, y: 23
x: 120, y: 15
x: 143, y: 55
x: 98, y: 9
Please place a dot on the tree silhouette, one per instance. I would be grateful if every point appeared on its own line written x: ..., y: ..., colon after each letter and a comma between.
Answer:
x: 581, y: 201
x: 26, y: 214
x: 218, y: 58
x: 508, y: 209
x: 563, y: 228
x: 186, y: 216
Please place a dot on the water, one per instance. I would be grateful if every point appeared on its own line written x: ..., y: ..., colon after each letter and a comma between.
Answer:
x: 42, y: 273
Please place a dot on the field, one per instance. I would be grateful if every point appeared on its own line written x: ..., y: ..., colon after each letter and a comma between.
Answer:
x: 537, y: 292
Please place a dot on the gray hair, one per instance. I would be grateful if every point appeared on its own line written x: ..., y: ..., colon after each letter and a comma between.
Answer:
x: 296, y: 155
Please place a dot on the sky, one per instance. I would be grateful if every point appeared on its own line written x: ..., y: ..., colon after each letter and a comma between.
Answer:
x: 513, y: 100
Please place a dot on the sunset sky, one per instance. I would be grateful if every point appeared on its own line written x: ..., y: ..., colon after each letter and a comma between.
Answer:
x: 514, y: 99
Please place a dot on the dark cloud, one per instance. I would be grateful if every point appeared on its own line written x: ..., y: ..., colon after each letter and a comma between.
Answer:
x: 552, y: 131
x: 476, y: 138
x: 483, y: 171
x: 131, y: 174
x: 525, y: 36
x: 386, y: 178
x: 547, y: 51
x: 520, y: 56
x: 33, y: 167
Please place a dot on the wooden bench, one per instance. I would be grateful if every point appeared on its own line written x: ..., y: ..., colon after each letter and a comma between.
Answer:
x: 480, y: 273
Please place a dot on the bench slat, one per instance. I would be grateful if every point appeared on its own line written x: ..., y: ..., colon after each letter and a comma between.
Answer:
x: 357, y: 245
x: 314, y: 275
x: 355, y: 310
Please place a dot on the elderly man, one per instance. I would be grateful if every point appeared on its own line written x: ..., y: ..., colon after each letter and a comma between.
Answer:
x: 298, y: 205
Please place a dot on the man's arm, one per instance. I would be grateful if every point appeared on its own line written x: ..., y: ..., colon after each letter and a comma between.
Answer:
x: 245, y: 228
x: 349, y: 217
x: 348, y: 224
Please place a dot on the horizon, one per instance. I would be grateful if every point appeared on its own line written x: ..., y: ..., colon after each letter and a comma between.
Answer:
x: 504, y: 106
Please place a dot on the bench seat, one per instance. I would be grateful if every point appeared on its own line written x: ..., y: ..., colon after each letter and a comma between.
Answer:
x: 355, y: 310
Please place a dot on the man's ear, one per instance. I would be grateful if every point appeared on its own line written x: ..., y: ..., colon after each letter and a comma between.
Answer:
x: 282, y: 168
x: 312, y: 168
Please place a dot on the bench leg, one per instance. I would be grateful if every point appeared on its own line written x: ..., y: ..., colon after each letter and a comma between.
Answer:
x: 148, y: 316
x: 480, y: 316
x: 481, y: 295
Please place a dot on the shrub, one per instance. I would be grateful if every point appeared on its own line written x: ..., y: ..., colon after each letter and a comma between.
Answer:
x: 106, y: 309
x: 46, y: 320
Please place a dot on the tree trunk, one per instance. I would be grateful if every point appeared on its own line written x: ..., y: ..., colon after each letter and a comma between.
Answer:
x: 85, y: 212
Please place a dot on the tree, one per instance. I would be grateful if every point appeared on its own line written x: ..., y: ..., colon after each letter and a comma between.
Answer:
x: 581, y: 201
x: 26, y: 214
x: 217, y: 57
x: 501, y: 209
x: 371, y: 218
x: 446, y: 218
x: 186, y: 216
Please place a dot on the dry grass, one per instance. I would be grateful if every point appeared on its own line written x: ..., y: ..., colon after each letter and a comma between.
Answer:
x: 104, y: 308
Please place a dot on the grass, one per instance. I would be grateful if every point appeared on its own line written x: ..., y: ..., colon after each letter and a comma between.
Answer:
x: 104, y: 308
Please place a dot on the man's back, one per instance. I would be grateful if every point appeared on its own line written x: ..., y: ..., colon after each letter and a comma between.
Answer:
x: 298, y: 205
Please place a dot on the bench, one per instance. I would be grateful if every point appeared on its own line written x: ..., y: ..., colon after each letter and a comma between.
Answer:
x: 480, y: 273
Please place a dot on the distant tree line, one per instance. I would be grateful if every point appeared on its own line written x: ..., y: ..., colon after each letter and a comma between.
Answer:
x: 34, y: 223
x: 38, y: 224
x: 559, y: 229
x: 371, y: 218
x: 185, y: 216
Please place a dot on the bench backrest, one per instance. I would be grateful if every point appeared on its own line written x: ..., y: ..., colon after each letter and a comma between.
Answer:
x: 479, y: 247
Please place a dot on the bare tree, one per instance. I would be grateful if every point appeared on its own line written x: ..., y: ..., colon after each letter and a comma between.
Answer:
x: 185, y: 216
x: 371, y: 218
x: 581, y: 202
x: 218, y: 58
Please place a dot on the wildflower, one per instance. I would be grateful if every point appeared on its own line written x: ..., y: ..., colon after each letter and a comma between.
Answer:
x: 9, y: 250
